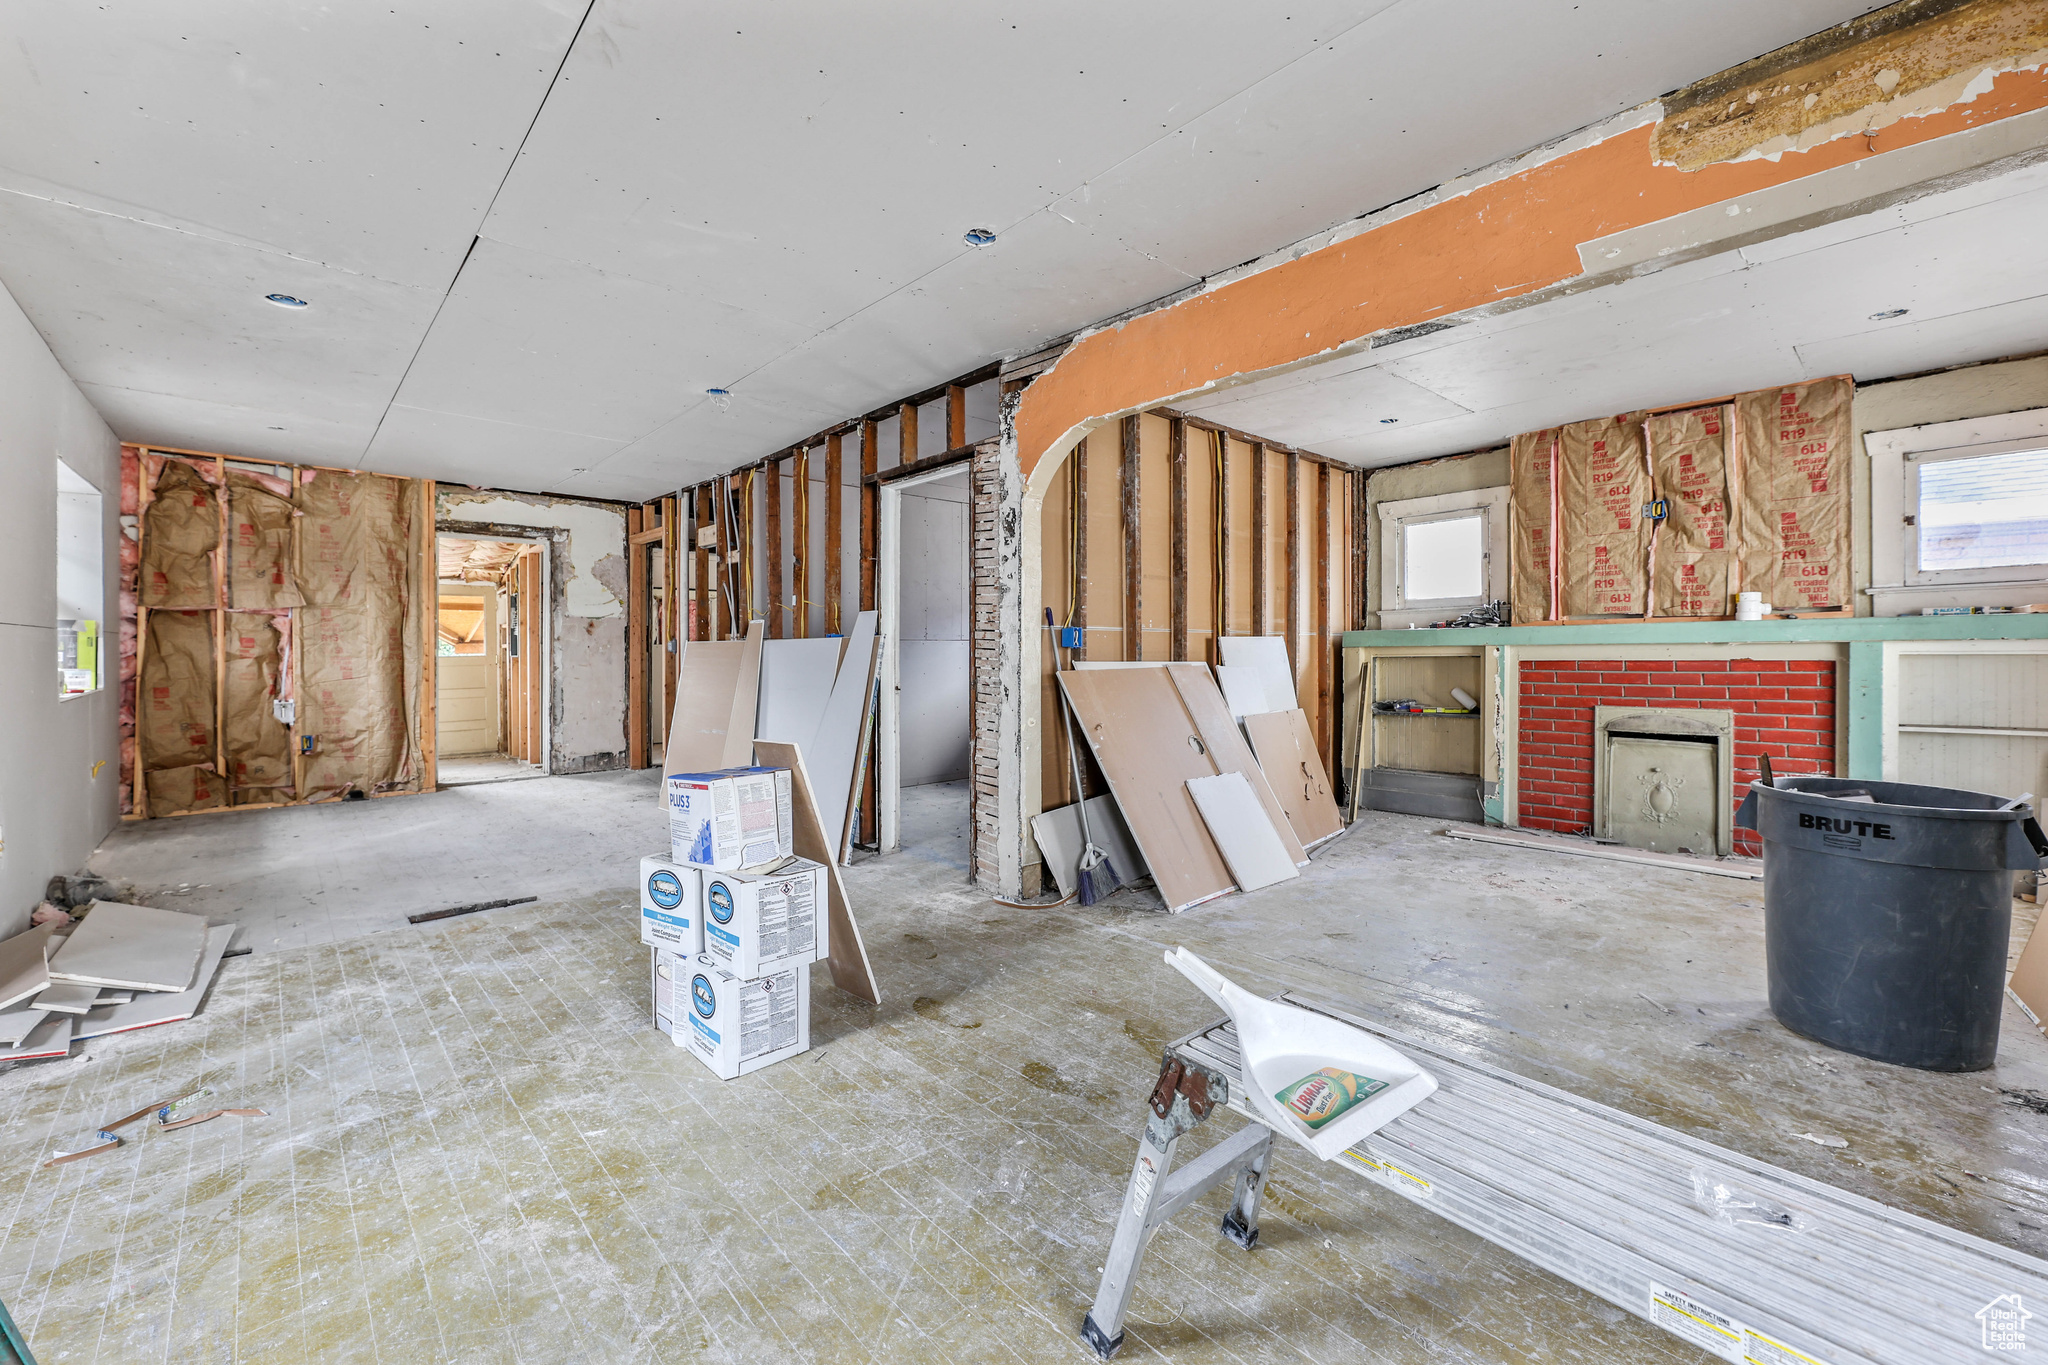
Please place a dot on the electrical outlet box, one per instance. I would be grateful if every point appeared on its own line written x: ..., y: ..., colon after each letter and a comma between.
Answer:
x: 1070, y: 637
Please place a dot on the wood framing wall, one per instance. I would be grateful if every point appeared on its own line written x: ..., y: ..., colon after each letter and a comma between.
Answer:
x: 1164, y: 533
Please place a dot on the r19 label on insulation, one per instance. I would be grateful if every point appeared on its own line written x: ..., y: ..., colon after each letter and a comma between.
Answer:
x: 1687, y: 1318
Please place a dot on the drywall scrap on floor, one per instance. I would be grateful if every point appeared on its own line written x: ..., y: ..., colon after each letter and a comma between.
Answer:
x: 24, y: 965
x: 135, y: 946
x: 1060, y: 841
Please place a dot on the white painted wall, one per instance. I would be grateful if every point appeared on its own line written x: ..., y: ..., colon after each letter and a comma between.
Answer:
x: 53, y: 807
x: 934, y: 688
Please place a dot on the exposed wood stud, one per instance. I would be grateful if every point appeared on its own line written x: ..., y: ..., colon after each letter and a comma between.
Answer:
x: 870, y: 508
x: 956, y: 416
x: 636, y: 643
x: 834, y: 496
x: 800, y: 546
x: 220, y: 633
x: 1177, y: 565
x: 672, y: 606
x: 702, y: 627
x: 1259, y: 613
x: 1079, y: 502
x: 430, y: 620
x: 1361, y: 535
x: 1292, y: 614
x: 1246, y: 438
x: 921, y: 466
x: 771, y: 552
x: 1134, y: 544
x: 1220, y: 514
x: 906, y: 433
x: 1326, y: 663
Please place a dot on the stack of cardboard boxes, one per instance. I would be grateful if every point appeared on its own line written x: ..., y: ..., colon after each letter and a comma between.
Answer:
x: 734, y: 921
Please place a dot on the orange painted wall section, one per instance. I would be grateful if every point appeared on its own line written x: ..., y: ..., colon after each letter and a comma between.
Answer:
x: 1502, y: 240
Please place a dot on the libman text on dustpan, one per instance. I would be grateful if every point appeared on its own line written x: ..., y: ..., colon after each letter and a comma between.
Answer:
x: 1322, y: 1095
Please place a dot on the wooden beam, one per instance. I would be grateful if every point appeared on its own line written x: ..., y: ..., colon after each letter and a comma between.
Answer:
x: 956, y: 416
x: 648, y: 534
x: 800, y: 546
x: 702, y: 628
x: 1219, y: 507
x: 1361, y: 535
x: 1259, y: 614
x: 672, y: 606
x: 906, y: 434
x: 1177, y: 535
x: 1079, y: 502
x: 771, y: 551
x: 1326, y: 663
x: 923, y: 466
x: 835, y: 584
x: 430, y: 665
x: 1134, y: 544
x: 636, y: 643
x: 1293, y: 613
x: 870, y: 508
x: 1247, y: 438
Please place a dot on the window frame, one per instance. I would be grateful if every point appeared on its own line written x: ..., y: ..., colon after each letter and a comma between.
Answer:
x: 1898, y: 585
x: 1397, y: 610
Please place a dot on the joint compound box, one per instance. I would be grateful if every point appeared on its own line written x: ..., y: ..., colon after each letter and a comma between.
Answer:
x: 736, y: 817
x: 737, y: 1026
x: 760, y: 920
x: 671, y: 901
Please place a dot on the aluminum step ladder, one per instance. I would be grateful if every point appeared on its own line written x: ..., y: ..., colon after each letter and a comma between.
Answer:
x: 1754, y: 1264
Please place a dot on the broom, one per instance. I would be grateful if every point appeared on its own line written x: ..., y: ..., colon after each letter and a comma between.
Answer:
x: 1094, y: 876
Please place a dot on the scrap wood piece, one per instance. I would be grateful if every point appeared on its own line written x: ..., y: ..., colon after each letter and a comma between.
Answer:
x: 165, y: 1126
x: 1516, y: 838
x: 1251, y: 845
x: 1227, y: 749
x: 1147, y: 746
x: 167, y: 1007
x: 24, y: 965
x: 136, y: 946
x: 108, y: 1142
x: 848, y: 957
x: 1286, y: 751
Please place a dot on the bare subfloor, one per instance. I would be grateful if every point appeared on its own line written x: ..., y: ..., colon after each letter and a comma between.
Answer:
x: 478, y: 1150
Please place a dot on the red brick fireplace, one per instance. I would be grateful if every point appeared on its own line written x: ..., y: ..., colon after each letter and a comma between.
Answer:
x: 1783, y: 707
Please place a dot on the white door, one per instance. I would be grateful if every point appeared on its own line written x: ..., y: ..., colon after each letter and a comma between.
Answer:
x: 466, y: 689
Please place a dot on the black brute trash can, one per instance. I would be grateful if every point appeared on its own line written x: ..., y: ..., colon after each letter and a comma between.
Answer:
x: 1886, y: 921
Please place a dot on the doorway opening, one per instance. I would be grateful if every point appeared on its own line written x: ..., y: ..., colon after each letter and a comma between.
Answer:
x: 490, y: 677
x: 927, y: 686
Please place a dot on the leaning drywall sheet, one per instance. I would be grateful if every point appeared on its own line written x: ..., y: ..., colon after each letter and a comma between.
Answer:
x: 259, y: 745
x: 1060, y: 842
x: 1244, y: 690
x: 135, y: 946
x: 1267, y: 654
x: 260, y: 574
x: 1226, y: 747
x: 1532, y: 513
x: 166, y: 1007
x: 1286, y: 750
x: 180, y: 536
x: 1694, y: 568
x: 174, y: 722
x: 1148, y: 747
x: 842, y: 731
x: 2029, y: 983
x: 24, y: 968
x: 746, y: 700
x: 796, y: 682
x: 1602, y: 486
x: 851, y: 971
x: 1250, y: 845
x: 706, y: 677
x: 1794, y: 476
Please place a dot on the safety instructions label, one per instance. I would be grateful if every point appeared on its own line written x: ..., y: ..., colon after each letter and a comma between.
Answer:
x: 1378, y: 1168
x: 1687, y: 1318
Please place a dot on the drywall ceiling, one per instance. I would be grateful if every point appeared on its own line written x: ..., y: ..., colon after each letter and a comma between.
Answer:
x: 533, y: 234
x: 1965, y: 265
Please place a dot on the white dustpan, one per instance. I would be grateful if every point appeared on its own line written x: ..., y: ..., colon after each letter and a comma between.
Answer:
x: 1282, y: 1045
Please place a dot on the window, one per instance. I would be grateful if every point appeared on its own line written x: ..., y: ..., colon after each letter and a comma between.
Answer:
x: 1441, y: 555
x: 1980, y: 510
x: 1959, y: 514
x: 80, y: 591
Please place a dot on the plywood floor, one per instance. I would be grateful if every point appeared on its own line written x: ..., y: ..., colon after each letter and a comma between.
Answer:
x: 478, y: 1150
